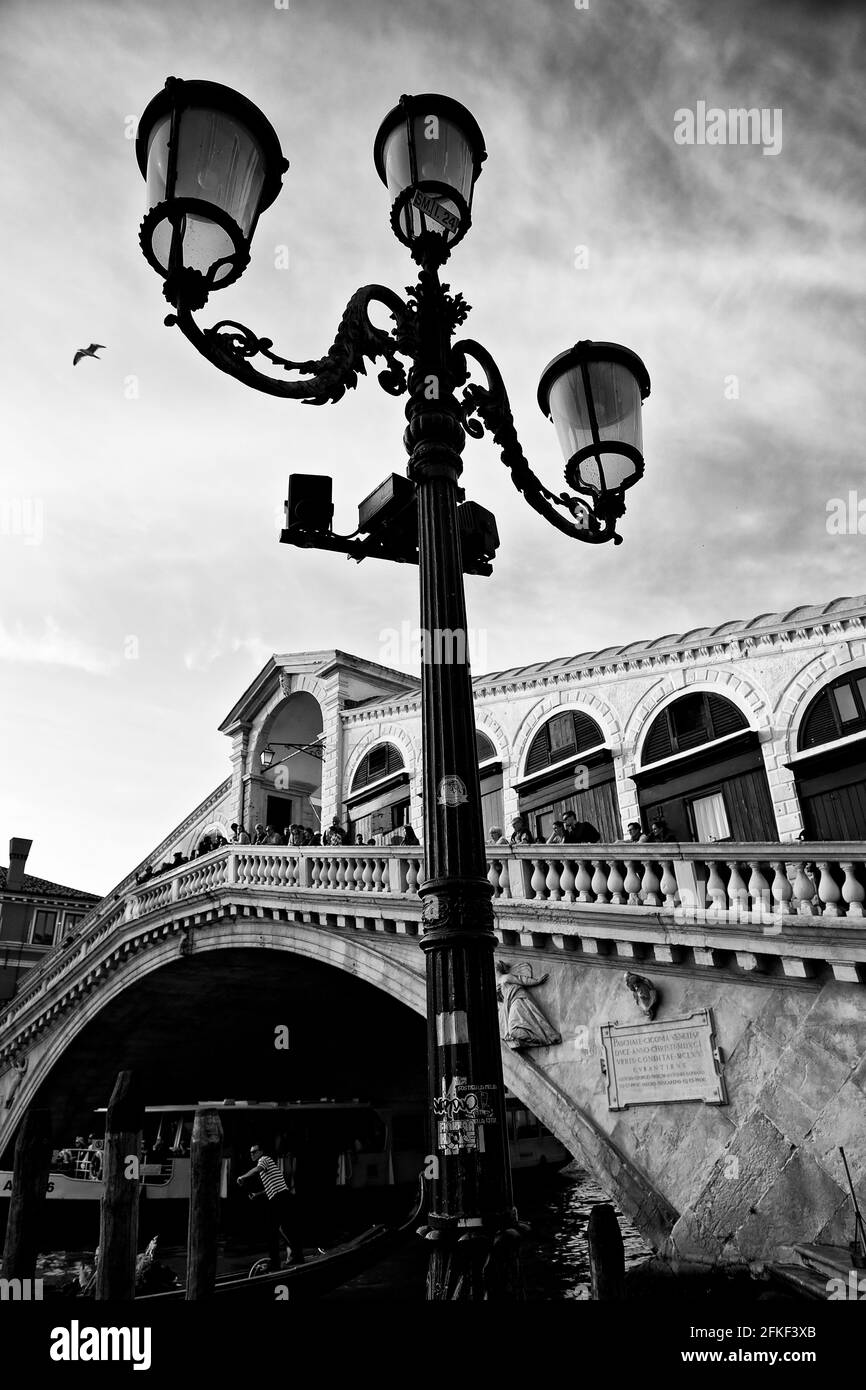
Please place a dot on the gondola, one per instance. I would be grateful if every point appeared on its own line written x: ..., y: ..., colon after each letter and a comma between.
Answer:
x: 317, y: 1276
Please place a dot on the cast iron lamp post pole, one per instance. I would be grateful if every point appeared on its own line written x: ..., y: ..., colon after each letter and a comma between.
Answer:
x: 471, y: 1205
x: 212, y: 164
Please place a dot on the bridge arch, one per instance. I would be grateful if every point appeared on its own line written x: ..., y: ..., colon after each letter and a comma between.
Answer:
x: 393, y: 965
x: 366, y: 959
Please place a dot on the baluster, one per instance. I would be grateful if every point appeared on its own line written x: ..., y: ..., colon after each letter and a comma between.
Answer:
x: 804, y: 892
x: 333, y: 875
x: 669, y: 883
x: 853, y: 891
x: 738, y: 893
x: 315, y: 875
x: 553, y: 879
x: 650, y: 886
x: 538, y: 882
x: 566, y: 880
x: 385, y: 880
x: 342, y: 872
x: 375, y: 884
x: 493, y: 869
x: 599, y: 881
x: 412, y: 870
x: 632, y: 882
x: 759, y: 891
x: 716, y: 891
x: 828, y: 891
x: 615, y: 883
x: 583, y: 881
x: 782, y: 890
x: 358, y: 875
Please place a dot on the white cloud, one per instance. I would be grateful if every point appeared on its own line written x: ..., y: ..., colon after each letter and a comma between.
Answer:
x: 203, y: 654
x: 52, y: 647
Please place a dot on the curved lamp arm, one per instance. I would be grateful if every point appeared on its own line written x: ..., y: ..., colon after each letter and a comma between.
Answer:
x: 489, y: 407
x: 230, y: 346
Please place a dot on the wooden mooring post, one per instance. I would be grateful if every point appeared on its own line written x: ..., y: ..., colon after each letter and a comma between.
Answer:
x: 121, y: 1171
x: 205, y: 1165
x: 606, y: 1254
x: 29, y: 1187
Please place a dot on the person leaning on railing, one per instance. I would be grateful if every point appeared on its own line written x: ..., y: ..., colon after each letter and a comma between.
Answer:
x: 520, y: 832
x: 579, y: 832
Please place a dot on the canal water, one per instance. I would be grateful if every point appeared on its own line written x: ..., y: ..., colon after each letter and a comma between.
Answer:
x: 554, y: 1260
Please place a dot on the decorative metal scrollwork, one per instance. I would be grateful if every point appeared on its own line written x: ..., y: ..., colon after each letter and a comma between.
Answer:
x: 489, y: 408
x: 231, y: 346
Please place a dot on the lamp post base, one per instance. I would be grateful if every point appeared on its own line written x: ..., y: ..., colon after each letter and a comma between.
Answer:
x: 474, y: 1268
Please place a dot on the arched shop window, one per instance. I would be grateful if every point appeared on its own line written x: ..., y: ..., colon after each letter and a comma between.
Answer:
x: 830, y: 765
x: 702, y: 772
x: 490, y: 777
x: 380, y: 762
x: 379, y: 798
x: 568, y: 768
x: 839, y: 710
x: 563, y: 736
x: 689, y: 722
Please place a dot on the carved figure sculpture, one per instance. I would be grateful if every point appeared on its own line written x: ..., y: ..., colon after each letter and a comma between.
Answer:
x: 645, y: 994
x: 19, y: 1067
x: 521, y: 1022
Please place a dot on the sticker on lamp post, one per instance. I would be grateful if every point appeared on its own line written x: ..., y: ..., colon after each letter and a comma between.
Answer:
x: 462, y: 1107
x: 452, y: 791
x: 431, y: 207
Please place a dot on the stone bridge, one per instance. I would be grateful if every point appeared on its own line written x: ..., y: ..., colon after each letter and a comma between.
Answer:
x: 770, y: 938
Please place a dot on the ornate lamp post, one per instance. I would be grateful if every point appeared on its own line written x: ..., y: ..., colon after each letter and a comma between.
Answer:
x: 212, y: 164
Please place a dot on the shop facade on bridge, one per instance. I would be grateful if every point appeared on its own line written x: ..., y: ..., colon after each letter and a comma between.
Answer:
x: 749, y: 731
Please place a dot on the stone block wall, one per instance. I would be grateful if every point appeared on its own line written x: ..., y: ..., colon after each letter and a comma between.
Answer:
x: 750, y: 1178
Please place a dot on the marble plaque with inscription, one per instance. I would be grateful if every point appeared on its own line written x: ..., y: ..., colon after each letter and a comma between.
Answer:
x: 649, y: 1063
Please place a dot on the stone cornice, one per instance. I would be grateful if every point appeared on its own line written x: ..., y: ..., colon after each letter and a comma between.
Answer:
x: 700, y: 652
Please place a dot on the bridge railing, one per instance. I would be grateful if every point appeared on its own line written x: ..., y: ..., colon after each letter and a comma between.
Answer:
x: 694, y: 883
x: 767, y: 885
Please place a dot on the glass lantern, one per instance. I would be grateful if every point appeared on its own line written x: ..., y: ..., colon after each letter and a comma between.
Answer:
x: 428, y: 152
x: 593, y: 393
x: 212, y: 164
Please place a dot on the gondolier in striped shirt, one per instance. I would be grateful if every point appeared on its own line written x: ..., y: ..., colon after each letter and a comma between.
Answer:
x: 282, y: 1213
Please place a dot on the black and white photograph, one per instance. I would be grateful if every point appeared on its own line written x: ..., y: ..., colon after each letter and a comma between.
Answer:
x: 432, y: 683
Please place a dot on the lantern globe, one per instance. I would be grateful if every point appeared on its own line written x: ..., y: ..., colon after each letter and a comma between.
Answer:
x: 428, y: 152
x: 212, y: 164
x: 593, y: 394
x: 266, y: 757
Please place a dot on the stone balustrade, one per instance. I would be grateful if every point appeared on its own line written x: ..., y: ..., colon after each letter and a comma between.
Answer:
x: 744, y: 903
x: 756, y: 884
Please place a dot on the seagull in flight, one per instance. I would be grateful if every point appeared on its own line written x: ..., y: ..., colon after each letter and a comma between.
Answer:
x: 88, y: 352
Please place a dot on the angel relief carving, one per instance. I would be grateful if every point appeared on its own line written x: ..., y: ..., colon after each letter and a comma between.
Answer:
x: 521, y: 1022
x: 19, y: 1067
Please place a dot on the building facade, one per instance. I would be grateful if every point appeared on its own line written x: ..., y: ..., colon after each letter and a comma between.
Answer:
x: 35, y: 915
x: 750, y: 731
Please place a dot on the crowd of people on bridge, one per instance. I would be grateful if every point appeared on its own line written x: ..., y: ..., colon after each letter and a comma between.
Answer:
x: 568, y: 830
x: 301, y: 836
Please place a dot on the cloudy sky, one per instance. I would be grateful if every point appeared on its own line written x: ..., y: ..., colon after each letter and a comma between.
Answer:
x: 140, y: 497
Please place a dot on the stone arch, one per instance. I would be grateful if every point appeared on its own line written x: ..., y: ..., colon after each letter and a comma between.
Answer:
x: 260, y: 732
x: 487, y: 724
x: 750, y: 699
x: 217, y: 823
x: 385, y: 733
x: 368, y: 959
x: 801, y: 691
x: 585, y: 703
x: 355, y: 955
